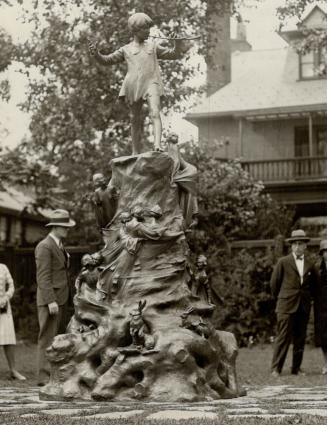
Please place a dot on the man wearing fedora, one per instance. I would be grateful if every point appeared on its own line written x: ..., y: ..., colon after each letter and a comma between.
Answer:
x: 52, y: 263
x: 292, y: 283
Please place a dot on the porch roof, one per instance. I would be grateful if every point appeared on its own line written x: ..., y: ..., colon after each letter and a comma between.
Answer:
x: 264, y: 82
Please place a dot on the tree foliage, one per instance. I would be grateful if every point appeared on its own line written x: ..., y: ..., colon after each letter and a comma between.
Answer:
x: 232, y: 204
x: 6, y: 48
x: 242, y: 280
x: 293, y: 8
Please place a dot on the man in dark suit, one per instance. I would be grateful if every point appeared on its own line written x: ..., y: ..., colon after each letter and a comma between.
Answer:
x: 291, y: 285
x: 52, y: 263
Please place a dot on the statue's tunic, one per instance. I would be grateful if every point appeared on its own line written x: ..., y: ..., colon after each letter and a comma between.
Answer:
x: 143, y: 74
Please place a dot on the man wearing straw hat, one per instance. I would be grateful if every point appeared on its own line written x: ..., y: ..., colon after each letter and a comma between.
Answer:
x: 292, y: 286
x: 52, y: 263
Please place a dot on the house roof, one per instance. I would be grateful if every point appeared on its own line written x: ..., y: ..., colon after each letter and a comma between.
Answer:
x: 264, y: 82
x: 316, y: 18
x: 15, y: 202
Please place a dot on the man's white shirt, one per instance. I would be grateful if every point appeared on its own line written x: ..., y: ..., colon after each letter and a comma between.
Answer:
x: 300, y: 265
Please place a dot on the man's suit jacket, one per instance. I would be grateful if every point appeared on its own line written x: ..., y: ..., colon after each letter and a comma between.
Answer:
x: 51, y: 273
x: 286, y: 285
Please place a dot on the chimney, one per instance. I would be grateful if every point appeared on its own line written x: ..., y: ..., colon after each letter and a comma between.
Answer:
x: 218, y: 57
x: 240, y: 30
x: 240, y: 43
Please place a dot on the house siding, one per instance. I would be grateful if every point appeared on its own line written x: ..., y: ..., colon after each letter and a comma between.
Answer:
x: 213, y: 134
x: 260, y: 140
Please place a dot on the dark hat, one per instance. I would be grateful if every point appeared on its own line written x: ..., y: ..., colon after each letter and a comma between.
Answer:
x: 298, y: 235
x: 60, y: 218
x: 323, y: 246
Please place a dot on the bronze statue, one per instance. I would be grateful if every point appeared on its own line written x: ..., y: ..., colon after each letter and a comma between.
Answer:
x: 143, y: 79
x: 164, y: 347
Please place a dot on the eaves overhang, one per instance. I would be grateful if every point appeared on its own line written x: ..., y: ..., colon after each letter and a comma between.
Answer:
x: 5, y: 211
x: 265, y: 114
x: 290, y: 36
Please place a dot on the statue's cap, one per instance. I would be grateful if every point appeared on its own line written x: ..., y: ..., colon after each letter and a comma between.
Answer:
x: 138, y: 20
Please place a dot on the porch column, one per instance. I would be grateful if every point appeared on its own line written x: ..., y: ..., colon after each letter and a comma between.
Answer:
x: 240, y: 137
x: 310, y: 136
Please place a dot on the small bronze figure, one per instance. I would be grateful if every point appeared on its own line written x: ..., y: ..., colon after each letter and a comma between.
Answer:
x: 194, y: 322
x: 90, y: 271
x: 202, y: 284
x: 104, y: 201
x: 139, y: 330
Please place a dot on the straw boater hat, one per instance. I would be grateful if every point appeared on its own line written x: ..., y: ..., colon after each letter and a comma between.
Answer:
x: 323, y: 246
x: 60, y: 218
x: 298, y: 235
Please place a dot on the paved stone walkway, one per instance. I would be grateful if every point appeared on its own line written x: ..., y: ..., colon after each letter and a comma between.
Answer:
x: 266, y: 402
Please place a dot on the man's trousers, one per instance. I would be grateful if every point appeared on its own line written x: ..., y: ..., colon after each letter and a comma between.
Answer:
x: 290, y: 327
x: 50, y: 326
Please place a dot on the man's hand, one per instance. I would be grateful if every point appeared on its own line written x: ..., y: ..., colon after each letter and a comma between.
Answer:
x: 172, y: 37
x: 53, y: 308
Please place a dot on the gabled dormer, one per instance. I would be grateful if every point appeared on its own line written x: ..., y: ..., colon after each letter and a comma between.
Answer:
x: 313, y: 55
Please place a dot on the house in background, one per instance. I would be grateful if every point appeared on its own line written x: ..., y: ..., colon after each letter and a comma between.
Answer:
x: 271, y: 112
x: 20, y: 225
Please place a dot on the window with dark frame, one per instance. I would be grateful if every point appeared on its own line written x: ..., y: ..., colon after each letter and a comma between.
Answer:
x: 313, y: 64
x: 306, y: 167
x: 319, y: 141
x: 322, y: 141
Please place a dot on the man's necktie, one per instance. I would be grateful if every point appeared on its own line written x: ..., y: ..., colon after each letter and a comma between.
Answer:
x: 61, y: 246
x: 300, y: 257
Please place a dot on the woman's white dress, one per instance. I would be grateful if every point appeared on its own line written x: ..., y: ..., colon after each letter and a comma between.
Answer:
x: 7, y: 330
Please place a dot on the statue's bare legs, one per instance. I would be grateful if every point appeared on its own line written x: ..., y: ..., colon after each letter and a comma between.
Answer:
x: 137, y: 126
x: 154, y: 113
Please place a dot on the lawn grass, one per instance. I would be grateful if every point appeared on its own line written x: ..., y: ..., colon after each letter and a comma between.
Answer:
x: 253, y: 368
x: 25, y: 364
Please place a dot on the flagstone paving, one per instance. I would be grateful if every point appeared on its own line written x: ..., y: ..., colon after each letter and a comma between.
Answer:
x: 277, y: 401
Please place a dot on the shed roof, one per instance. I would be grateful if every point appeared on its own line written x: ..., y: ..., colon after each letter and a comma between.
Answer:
x: 264, y: 81
x: 15, y: 202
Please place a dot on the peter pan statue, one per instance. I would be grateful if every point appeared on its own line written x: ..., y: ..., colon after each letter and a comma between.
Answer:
x: 143, y: 80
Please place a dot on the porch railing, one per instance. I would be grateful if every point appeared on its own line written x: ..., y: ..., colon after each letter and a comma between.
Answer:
x: 290, y: 169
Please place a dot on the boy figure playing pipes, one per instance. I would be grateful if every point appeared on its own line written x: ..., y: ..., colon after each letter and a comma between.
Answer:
x: 143, y: 80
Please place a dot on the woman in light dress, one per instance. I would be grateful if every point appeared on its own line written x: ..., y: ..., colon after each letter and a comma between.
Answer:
x: 7, y: 330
